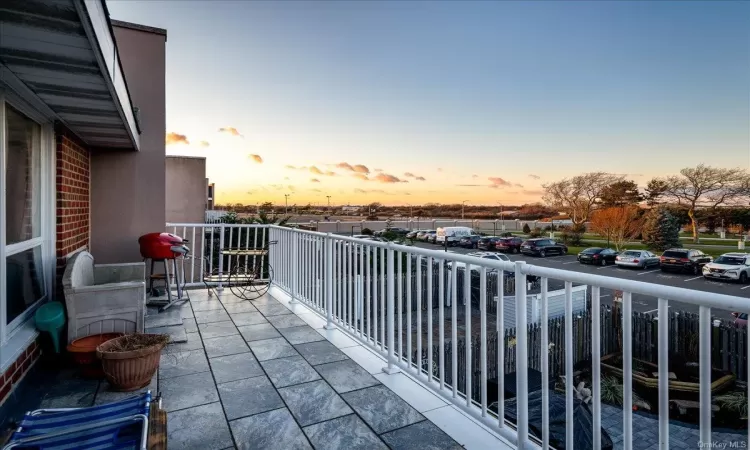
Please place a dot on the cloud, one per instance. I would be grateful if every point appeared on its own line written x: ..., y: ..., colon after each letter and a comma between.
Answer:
x: 386, y: 178
x: 256, y: 158
x: 286, y: 178
x: 378, y: 170
x: 289, y: 166
x: 532, y: 192
x: 440, y: 169
x: 360, y: 191
x: 231, y: 131
x: 475, y: 176
x: 291, y: 188
x: 176, y: 138
x: 536, y: 177
x: 330, y: 173
x: 470, y: 185
x: 204, y: 144
x: 316, y: 190
x: 372, y: 191
x: 518, y: 185
x: 416, y: 177
x: 314, y: 180
x: 359, y: 168
x: 315, y: 170
x: 361, y: 176
x: 498, y: 182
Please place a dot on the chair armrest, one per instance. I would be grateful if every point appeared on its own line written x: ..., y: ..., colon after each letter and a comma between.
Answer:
x: 116, y: 273
x: 128, y: 285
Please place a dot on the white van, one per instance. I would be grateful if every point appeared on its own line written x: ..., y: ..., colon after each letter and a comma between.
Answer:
x: 453, y: 234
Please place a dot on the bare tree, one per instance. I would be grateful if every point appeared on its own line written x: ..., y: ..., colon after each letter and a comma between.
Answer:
x: 706, y: 187
x: 578, y: 196
x: 620, y: 224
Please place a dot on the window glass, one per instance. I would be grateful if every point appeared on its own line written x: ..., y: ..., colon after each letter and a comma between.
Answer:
x: 25, y: 283
x: 22, y: 177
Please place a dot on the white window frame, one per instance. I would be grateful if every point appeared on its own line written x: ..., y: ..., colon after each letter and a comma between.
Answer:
x: 46, y: 238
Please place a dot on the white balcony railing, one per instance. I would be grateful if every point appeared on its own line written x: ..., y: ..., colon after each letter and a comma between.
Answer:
x: 379, y: 293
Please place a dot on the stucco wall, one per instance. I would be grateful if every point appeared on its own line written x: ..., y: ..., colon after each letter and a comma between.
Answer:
x: 186, y: 189
x: 128, y: 188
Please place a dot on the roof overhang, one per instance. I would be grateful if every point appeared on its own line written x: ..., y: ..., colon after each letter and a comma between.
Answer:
x: 63, y: 53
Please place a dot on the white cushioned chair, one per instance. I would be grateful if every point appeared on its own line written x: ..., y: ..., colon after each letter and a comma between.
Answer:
x: 103, y: 298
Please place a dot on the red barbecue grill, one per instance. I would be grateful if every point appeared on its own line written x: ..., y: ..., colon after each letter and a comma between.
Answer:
x: 164, y: 247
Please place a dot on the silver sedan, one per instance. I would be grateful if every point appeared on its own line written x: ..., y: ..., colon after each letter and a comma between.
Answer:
x: 639, y: 259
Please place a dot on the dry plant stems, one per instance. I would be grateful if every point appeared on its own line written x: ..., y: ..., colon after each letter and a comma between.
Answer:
x: 138, y: 341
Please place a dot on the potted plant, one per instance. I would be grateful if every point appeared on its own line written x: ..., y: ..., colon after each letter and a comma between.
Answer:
x: 129, y: 362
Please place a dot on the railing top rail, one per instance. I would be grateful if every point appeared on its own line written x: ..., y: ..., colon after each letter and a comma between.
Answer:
x: 219, y: 225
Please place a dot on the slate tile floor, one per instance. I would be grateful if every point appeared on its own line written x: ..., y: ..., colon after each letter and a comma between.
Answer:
x: 278, y: 383
x: 247, y: 380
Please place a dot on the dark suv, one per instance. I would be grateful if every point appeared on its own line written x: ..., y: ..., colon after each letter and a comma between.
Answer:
x: 469, y: 241
x: 543, y: 247
x: 509, y: 244
x: 684, y: 260
x: 487, y: 243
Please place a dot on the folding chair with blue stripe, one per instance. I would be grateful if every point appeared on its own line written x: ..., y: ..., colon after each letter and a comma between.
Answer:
x: 118, y: 425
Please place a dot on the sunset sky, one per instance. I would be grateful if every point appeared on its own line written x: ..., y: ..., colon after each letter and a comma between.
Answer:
x: 414, y: 102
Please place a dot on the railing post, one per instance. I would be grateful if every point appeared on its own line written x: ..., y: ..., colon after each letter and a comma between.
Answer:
x: 220, y: 288
x: 390, y: 310
x: 295, y: 265
x: 522, y: 359
x: 328, y: 281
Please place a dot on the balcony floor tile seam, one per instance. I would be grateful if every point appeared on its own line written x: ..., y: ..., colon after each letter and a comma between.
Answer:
x: 358, y: 344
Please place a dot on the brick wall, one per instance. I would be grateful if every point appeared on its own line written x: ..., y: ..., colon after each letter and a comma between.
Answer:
x: 16, y: 371
x: 73, y: 199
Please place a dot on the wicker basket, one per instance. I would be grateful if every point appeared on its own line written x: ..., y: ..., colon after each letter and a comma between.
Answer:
x: 131, y: 369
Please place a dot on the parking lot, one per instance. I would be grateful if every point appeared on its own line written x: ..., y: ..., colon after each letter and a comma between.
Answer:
x: 641, y: 303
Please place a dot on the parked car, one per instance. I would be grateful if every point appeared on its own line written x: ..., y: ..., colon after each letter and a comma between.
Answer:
x: 684, y: 260
x: 469, y: 241
x: 597, y: 255
x: 413, y: 234
x: 509, y: 244
x: 639, y: 259
x: 543, y: 247
x: 422, y: 235
x: 431, y: 236
x: 452, y: 234
x: 487, y: 242
x: 729, y: 266
x: 397, y: 230
x: 740, y: 318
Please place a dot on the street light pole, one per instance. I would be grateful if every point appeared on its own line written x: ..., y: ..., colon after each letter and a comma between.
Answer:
x: 329, y: 203
x: 286, y: 204
x: 463, y: 202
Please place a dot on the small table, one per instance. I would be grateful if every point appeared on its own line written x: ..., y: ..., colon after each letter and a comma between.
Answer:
x: 246, y: 281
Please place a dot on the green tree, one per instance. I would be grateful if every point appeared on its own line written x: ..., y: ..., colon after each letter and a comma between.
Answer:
x: 620, y: 193
x: 526, y: 228
x: 661, y: 230
x: 654, y: 190
x: 706, y: 187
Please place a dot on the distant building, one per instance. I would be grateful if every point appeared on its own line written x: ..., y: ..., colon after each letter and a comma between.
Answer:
x: 350, y: 209
x: 210, y: 195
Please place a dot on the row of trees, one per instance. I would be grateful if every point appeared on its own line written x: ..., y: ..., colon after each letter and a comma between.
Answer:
x: 700, y: 192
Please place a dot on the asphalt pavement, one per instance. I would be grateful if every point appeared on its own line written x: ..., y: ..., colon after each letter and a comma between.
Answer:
x: 641, y: 303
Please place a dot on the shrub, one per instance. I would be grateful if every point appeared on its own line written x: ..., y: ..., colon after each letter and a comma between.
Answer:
x: 661, y: 230
x: 536, y: 232
x: 526, y: 228
x: 367, y: 231
x: 573, y: 234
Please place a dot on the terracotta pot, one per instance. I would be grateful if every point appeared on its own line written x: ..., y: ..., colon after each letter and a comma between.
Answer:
x: 129, y: 370
x: 83, y: 351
